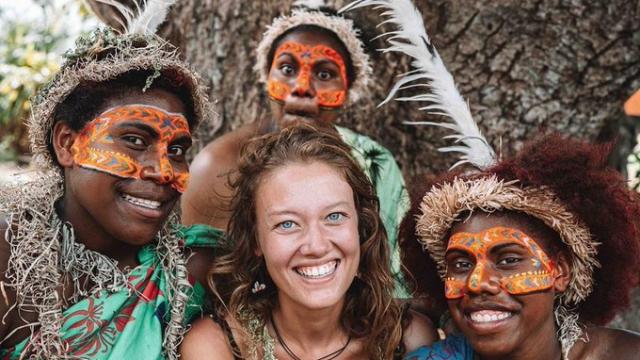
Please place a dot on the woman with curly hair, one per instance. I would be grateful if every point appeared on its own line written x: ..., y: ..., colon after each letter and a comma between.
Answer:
x: 307, y: 274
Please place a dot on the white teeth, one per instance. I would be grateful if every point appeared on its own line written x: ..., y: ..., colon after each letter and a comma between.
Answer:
x: 485, y: 316
x: 316, y: 272
x: 149, y: 204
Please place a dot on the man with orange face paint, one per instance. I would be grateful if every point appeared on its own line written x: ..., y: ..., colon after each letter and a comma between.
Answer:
x: 312, y: 64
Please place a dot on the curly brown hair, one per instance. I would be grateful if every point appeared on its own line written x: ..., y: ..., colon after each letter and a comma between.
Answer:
x: 370, y: 312
x: 597, y: 195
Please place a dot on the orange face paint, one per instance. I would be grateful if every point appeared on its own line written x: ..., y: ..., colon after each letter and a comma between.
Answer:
x: 93, y: 147
x: 539, y: 277
x: 307, y: 57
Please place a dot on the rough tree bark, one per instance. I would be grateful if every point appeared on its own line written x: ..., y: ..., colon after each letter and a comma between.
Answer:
x: 565, y: 65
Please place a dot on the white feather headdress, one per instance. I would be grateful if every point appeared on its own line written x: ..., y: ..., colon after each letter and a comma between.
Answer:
x: 411, y: 39
x: 146, y: 19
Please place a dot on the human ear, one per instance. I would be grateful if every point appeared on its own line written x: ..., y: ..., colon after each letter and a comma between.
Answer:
x: 562, y: 273
x: 62, y: 139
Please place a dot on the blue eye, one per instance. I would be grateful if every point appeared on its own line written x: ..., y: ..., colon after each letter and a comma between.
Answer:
x: 335, y: 217
x: 286, y: 225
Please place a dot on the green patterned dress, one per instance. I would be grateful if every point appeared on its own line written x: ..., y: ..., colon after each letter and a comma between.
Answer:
x: 127, y: 324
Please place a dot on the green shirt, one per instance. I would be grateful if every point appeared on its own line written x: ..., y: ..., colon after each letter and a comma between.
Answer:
x: 383, y: 171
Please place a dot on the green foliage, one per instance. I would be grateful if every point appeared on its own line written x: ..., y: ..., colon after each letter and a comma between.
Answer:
x: 29, y: 56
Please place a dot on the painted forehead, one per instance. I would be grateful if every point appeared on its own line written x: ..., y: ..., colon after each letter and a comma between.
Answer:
x: 154, y: 116
x: 484, y: 241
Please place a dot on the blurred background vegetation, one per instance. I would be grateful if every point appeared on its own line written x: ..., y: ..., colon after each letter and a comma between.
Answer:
x: 34, y: 37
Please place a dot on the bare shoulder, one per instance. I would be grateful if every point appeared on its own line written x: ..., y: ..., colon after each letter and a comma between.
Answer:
x: 419, y: 332
x: 206, y: 340
x: 606, y: 343
x: 208, y: 194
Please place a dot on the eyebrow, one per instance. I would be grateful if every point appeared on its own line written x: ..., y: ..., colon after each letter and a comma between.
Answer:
x: 500, y: 247
x: 140, y: 126
x: 326, y: 61
x: 281, y: 212
x: 296, y: 213
x: 184, y: 140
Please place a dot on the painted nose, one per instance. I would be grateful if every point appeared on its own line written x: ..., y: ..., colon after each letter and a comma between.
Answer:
x: 316, y: 243
x: 159, y: 170
x: 481, y: 280
x: 304, y: 87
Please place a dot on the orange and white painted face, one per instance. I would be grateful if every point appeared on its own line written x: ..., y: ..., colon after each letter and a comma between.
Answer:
x: 302, y: 68
x: 160, y: 148
x: 529, y: 270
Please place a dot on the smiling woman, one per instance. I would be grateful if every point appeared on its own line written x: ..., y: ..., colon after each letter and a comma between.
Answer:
x: 91, y: 255
x: 532, y: 256
x: 307, y: 261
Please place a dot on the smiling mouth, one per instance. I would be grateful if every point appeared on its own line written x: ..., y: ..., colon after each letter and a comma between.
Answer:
x: 145, y: 203
x: 318, y: 272
x: 489, y: 316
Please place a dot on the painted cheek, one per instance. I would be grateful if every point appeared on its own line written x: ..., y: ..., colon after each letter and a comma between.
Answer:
x: 332, y: 98
x: 453, y: 288
x: 278, y: 90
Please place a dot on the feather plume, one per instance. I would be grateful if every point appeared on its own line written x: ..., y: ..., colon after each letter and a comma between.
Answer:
x: 411, y: 39
x: 145, y: 20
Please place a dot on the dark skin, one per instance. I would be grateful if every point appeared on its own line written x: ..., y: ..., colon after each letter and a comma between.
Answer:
x: 93, y: 201
x: 530, y: 331
x: 207, y: 198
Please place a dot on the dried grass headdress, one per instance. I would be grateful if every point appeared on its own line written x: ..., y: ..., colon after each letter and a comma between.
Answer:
x: 103, y: 55
x: 443, y: 204
x: 43, y: 248
x: 308, y: 13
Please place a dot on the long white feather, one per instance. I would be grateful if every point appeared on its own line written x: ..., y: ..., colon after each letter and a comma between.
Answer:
x: 144, y: 20
x: 411, y: 39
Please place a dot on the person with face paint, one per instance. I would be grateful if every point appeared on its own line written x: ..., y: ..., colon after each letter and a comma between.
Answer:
x: 93, y: 260
x: 538, y: 254
x: 312, y: 63
x: 532, y: 253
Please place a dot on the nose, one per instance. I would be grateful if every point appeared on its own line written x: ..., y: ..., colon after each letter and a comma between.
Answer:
x: 483, y: 280
x: 158, y: 169
x: 304, y: 85
x: 317, y: 243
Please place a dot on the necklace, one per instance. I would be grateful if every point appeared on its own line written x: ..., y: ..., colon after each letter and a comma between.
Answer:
x: 290, y: 352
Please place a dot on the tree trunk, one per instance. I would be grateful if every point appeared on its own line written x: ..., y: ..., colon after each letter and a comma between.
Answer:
x: 565, y: 65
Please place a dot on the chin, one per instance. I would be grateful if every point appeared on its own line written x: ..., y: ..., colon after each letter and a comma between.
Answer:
x: 140, y: 235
